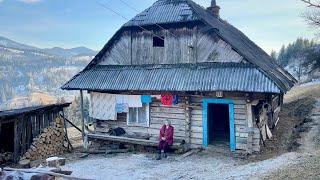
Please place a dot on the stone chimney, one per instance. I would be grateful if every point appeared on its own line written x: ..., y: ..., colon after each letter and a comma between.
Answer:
x: 214, y: 9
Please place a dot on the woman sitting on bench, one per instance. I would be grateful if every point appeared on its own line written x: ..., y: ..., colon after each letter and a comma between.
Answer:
x: 165, y: 139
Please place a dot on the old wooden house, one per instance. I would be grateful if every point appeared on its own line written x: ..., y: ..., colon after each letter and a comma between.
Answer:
x: 180, y: 61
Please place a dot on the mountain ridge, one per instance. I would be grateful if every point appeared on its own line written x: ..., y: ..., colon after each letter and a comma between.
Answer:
x: 56, y: 51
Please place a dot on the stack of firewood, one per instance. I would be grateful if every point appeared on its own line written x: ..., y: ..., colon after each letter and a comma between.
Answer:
x: 6, y: 157
x: 52, y: 141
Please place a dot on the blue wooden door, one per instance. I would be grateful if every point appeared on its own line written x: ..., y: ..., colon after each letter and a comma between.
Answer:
x: 205, y: 105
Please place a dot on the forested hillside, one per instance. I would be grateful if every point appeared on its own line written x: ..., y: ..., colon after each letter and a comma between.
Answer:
x: 25, y: 70
x: 301, y: 58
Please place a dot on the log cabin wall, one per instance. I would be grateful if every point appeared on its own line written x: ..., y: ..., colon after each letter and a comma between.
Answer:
x: 246, y: 132
x: 241, y: 119
x: 158, y: 113
x: 181, y: 45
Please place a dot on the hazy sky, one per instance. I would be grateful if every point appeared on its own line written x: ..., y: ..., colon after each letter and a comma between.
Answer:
x: 70, y: 23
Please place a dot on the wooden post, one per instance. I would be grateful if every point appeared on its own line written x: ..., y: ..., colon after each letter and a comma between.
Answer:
x: 250, y: 128
x: 82, y: 114
x: 188, y: 121
x: 66, y: 130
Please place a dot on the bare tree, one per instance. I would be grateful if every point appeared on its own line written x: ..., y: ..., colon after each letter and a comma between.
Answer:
x: 311, y: 3
x: 312, y: 15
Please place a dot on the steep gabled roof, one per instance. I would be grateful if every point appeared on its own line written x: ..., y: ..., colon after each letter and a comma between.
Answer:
x: 184, y: 11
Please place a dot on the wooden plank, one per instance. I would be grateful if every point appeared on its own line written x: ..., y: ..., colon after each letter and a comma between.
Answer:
x: 196, y: 123
x: 249, y: 115
x: 241, y: 140
x: 240, y: 111
x: 239, y: 106
x: 128, y: 140
x: 196, y: 129
x: 240, y: 116
x: 167, y: 116
x: 196, y: 112
x: 175, y: 110
x: 16, y: 141
x: 240, y: 122
x: 196, y: 135
x: 241, y: 146
x: 23, y: 134
x: 196, y: 141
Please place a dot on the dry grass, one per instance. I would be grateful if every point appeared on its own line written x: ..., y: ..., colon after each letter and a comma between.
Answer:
x: 307, y: 168
x: 300, y: 92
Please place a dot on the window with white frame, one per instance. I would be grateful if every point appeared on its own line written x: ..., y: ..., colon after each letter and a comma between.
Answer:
x: 138, y: 116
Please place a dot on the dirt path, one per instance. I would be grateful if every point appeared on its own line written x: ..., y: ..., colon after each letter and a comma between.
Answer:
x: 201, y: 166
x: 309, y: 139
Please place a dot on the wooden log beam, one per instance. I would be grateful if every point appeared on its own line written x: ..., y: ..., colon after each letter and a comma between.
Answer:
x: 82, y: 114
x: 187, y: 121
x: 71, y: 123
x: 121, y: 139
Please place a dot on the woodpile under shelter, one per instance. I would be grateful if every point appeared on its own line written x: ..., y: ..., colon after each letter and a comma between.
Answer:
x: 180, y: 61
x: 19, y: 127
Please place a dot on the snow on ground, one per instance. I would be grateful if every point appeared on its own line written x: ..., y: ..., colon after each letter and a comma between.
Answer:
x: 200, y: 166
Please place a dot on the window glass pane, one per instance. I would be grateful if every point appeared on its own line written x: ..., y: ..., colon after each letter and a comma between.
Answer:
x: 132, y: 115
x: 142, y: 115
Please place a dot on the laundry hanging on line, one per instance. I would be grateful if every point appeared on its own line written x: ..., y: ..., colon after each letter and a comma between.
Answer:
x: 130, y: 100
x: 146, y: 99
x: 103, y: 106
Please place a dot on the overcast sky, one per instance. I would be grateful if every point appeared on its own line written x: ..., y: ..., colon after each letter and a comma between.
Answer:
x: 71, y: 23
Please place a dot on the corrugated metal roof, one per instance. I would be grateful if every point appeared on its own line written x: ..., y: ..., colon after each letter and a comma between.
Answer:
x: 180, y: 77
x: 164, y: 11
x: 17, y: 112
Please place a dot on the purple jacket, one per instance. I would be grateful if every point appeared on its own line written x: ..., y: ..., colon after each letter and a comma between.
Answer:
x: 167, y: 133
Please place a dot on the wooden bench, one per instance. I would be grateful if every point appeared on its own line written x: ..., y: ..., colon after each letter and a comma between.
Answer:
x: 121, y: 139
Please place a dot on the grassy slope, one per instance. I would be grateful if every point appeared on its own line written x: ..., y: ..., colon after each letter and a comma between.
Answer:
x: 308, y: 167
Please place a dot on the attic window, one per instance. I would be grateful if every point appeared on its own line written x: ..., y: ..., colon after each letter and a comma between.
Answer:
x: 158, y: 42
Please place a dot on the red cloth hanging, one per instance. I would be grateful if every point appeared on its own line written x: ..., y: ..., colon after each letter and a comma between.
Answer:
x: 167, y: 99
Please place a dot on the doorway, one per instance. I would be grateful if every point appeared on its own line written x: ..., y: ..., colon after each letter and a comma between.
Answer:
x: 218, y: 122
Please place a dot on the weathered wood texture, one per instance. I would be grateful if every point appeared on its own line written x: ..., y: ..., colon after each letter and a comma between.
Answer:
x: 179, y: 115
x: 52, y: 141
x: 183, y: 45
x: 158, y: 113
x: 28, y: 126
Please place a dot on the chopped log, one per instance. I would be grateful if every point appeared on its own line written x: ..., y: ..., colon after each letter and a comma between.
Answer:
x: 61, y: 171
x: 115, y: 151
x: 189, y: 153
x: 25, y: 163
x: 94, y: 151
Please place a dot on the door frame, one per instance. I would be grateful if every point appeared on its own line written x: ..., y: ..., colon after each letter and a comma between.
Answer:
x: 205, y: 104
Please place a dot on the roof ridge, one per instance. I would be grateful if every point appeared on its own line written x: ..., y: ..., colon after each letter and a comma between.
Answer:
x: 182, y: 65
